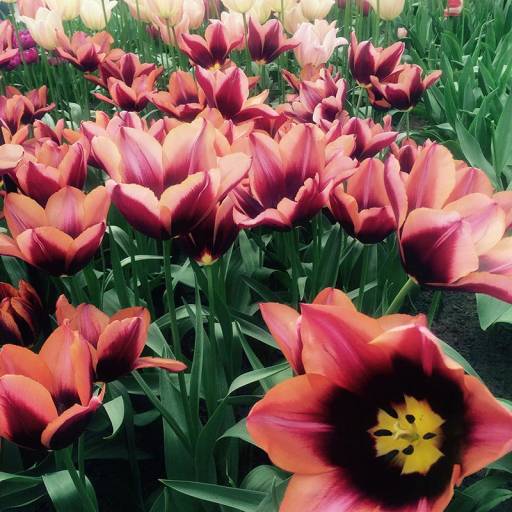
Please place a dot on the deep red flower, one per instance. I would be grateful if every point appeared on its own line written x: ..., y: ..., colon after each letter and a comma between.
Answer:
x: 47, y: 399
x: 212, y: 51
x: 381, y: 419
x: 116, y: 343
x: 21, y: 312
x: 266, y: 42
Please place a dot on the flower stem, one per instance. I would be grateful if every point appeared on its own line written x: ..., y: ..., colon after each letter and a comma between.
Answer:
x: 88, y: 505
x: 364, y: 276
x: 395, y: 306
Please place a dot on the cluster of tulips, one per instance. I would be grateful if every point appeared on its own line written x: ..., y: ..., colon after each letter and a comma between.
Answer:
x: 376, y: 417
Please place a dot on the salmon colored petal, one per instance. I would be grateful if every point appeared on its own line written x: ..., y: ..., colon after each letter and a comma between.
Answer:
x: 290, y: 423
x: 469, y: 180
x: 140, y: 207
x: 334, y: 297
x: 84, y: 247
x: 336, y: 344
x: 391, y: 321
x: 10, y: 156
x: 376, y: 224
x: 67, y: 355
x: 171, y: 365
x: 119, y: 346
x: 325, y: 492
x: 22, y: 361
x: 283, y: 323
x: 270, y: 217
x: 65, y: 211
x: 22, y: 213
x: 490, y: 435
x: 437, y: 246
x: 432, y: 178
x: 96, y: 206
x: 8, y: 247
x: 499, y: 259
x: 26, y: 408
x: 495, y: 285
x: 396, y: 190
x: 46, y: 248
x: 66, y: 428
x: 232, y: 168
x: 486, y: 218
x: 38, y: 181
x: 108, y: 156
x: 64, y: 310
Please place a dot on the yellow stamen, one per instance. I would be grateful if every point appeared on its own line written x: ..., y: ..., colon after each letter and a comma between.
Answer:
x: 412, y: 435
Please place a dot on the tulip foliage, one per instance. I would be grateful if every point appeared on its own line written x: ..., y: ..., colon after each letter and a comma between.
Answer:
x: 246, y: 247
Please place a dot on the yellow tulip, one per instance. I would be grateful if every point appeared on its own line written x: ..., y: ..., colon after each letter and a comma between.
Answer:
x: 43, y: 28
x: 388, y: 9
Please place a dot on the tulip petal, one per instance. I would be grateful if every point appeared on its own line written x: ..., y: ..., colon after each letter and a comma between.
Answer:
x: 8, y: 247
x: 84, y: 247
x: 96, y: 206
x: 24, y: 415
x: 334, y: 297
x: 283, y: 323
x: 22, y: 213
x: 65, y: 211
x: 291, y: 423
x: 495, y: 285
x: 171, y: 365
x: 336, y: 345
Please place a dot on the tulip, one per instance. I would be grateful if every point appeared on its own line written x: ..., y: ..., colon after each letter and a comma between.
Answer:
x: 317, y: 43
x: 316, y: 9
x: 183, y: 100
x: 319, y: 101
x: 370, y: 137
x: 195, y: 11
x: 169, y: 10
x: 140, y: 10
x: 60, y: 238
x: 30, y: 56
x: 160, y: 28
x: 266, y: 42
x: 47, y: 399
x: 8, y: 50
x: 454, y: 8
x: 50, y: 168
x: 166, y: 189
x: 241, y: 6
x: 451, y: 229
x: 95, y: 14
x: 35, y: 103
x: 293, y: 18
x: 83, y: 51
x: 401, y: 32
x: 67, y: 9
x: 44, y: 27
x: 213, y: 236
x: 387, y: 9
x: 58, y: 133
x: 21, y: 313
x: 362, y: 206
x: 381, y: 419
x: 402, y: 89
x: 212, y: 51
x: 365, y: 60
x: 406, y: 153
x: 290, y: 180
x: 30, y: 7
x: 228, y: 92
x: 116, y: 342
x: 234, y: 24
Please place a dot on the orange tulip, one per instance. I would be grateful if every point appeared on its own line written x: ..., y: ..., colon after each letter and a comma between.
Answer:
x: 166, y: 189
x: 60, y: 238
x: 21, y: 313
x: 381, y: 419
x: 116, y: 342
x: 47, y: 399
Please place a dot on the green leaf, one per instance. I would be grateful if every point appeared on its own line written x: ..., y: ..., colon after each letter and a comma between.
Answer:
x: 452, y: 353
x: 503, y: 138
x: 238, y: 431
x: 115, y: 412
x: 256, y: 375
x: 239, y: 499
x: 62, y: 491
x: 492, y: 311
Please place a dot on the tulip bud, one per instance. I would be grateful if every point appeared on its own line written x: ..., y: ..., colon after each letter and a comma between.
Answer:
x: 388, y: 9
x: 261, y: 10
x: 21, y: 312
x: 94, y: 12
x: 293, y: 18
x: 401, y: 32
x: 44, y: 27
x: 316, y: 9
x: 169, y: 10
x: 68, y: 9
x: 241, y: 6
x: 195, y: 10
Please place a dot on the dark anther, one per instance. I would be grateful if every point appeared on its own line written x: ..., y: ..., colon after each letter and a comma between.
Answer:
x: 410, y: 418
x: 390, y: 456
x: 429, y: 435
x: 382, y: 432
x: 391, y: 412
x: 409, y: 450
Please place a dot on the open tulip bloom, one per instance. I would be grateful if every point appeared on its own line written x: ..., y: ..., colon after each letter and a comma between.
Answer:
x: 379, y: 420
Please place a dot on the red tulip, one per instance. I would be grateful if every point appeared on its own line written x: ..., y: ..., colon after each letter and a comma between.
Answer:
x: 21, y: 312
x: 46, y: 399
x: 228, y: 92
x: 212, y: 51
x: 370, y: 137
x: 290, y: 180
x: 402, y: 89
x: 60, y: 238
x: 381, y: 419
x: 366, y: 61
x: 266, y: 42
x: 35, y: 103
x: 47, y: 167
x: 116, y: 342
x: 166, y: 189
x: 406, y: 153
x: 83, y: 51
x: 213, y: 236
x: 183, y: 100
x: 319, y: 101
x: 452, y: 234
x: 454, y: 8
x: 362, y: 206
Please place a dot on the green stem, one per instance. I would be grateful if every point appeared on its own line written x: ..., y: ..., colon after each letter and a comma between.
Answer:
x: 359, y: 100
x: 88, y: 505
x: 395, y: 306
x: 81, y: 458
x: 364, y: 276
x: 434, y: 306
